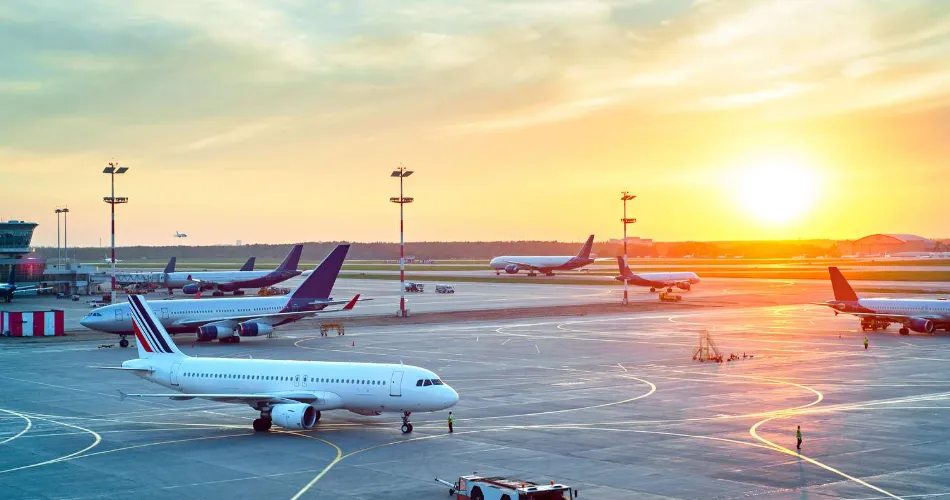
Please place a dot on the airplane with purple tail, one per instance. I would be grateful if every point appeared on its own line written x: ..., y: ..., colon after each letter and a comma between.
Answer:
x: 220, y: 282
x: 684, y: 280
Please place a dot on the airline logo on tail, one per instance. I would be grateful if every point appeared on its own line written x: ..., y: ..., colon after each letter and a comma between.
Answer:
x: 149, y: 332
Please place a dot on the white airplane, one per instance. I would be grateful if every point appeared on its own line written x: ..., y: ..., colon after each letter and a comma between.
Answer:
x: 108, y: 260
x: 919, y: 315
x: 234, y: 281
x: 180, y: 235
x: 291, y: 394
x: 543, y: 264
x: 229, y: 319
x: 683, y: 280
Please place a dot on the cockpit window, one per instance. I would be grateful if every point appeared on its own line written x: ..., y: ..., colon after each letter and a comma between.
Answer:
x: 427, y: 383
x: 419, y: 383
x: 436, y: 381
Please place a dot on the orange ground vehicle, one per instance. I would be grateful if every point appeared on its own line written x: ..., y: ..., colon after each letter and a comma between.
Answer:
x: 475, y: 487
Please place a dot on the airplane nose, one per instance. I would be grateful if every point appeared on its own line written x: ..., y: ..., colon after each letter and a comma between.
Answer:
x: 452, y: 397
x: 85, y: 322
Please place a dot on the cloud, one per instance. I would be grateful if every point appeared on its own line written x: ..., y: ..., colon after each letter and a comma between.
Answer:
x: 236, y: 135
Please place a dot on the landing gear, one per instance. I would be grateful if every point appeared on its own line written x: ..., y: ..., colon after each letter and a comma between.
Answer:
x: 652, y: 289
x: 406, y: 426
x: 904, y: 331
x: 217, y: 293
x: 317, y: 419
x: 549, y: 274
x: 532, y: 275
x: 669, y: 290
x: 124, y: 342
x: 171, y: 292
x: 234, y: 339
x: 238, y: 293
x: 262, y: 424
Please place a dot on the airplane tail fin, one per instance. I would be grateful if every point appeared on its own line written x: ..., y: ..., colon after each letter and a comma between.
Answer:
x: 151, y: 337
x: 170, y: 268
x: 291, y: 260
x: 320, y: 282
x: 843, y: 290
x: 624, y: 270
x: 249, y: 265
x: 585, y: 251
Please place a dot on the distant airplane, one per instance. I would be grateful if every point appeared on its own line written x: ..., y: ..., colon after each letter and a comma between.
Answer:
x: 180, y: 235
x: 289, y: 393
x: 234, y: 281
x: 683, y: 280
x: 147, y: 277
x: 108, y: 260
x: 543, y: 264
x: 229, y: 319
x: 9, y: 289
x: 919, y: 315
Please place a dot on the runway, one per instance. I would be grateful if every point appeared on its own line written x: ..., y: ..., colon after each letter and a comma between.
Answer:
x: 611, y: 405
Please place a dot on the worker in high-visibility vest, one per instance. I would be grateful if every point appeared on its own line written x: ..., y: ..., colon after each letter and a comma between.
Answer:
x: 798, y: 437
x: 451, y: 421
x: 865, y: 342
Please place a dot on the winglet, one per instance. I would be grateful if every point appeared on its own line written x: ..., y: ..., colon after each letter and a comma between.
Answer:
x: 122, y: 395
x: 843, y: 290
x: 349, y: 305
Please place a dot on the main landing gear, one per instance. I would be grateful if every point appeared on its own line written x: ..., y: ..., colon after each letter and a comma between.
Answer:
x: 238, y: 293
x: 904, y: 331
x: 217, y: 293
x: 233, y: 339
x: 406, y: 426
x: 124, y: 342
x: 264, y: 423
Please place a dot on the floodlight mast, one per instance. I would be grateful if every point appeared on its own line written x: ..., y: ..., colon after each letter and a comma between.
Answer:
x: 625, y: 196
x: 112, y: 170
x: 402, y: 173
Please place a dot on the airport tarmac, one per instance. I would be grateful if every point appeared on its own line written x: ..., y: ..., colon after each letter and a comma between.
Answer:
x: 611, y: 405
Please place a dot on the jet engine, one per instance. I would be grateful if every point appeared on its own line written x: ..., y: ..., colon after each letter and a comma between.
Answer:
x: 683, y: 285
x: 253, y: 329
x: 191, y: 289
x: 921, y: 325
x: 368, y: 413
x: 211, y: 332
x: 294, y: 416
x: 511, y: 269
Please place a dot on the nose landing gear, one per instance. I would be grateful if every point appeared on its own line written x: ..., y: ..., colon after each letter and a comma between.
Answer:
x: 406, y: 426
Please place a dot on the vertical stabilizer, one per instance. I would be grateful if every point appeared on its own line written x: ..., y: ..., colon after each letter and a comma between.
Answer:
x: 291, y: 260
x: 249, y: 265
x: 624, y: 270
x: 151, y: 337
x: 843, y: 290
x: 170, y: 268
x: 319, y: 284
x: 585, y: 251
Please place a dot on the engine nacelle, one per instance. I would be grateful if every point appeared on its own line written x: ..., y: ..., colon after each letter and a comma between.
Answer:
x: 511, y: 269
x: 253, y: 329
x: 368, y: 413
x: 191, y: 289
x: 683, y: 285
x: 921, y: 325
x: 207, y: 333
x: 294, y: 416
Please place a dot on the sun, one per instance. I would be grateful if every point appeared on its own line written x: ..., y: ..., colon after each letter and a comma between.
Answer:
x: 777, y: 191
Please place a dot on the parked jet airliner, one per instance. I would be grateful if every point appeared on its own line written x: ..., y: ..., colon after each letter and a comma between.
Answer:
x: 291, y: 394
x: 233, y: 281
x: 543, y: 264
x: 229, y: 319
x: 919, y: 315
x: 10, y: 288
x: 682, y: 280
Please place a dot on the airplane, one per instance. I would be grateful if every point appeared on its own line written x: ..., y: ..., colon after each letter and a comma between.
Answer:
x: 108, y: 260
x: 180, y: 235
x: 682, y: 280
x: 234, y: 281
x: 9, y: 289
x: 918, y: 315
x: 229, y: 319
x: 289, y: 393
x: 543, y: 264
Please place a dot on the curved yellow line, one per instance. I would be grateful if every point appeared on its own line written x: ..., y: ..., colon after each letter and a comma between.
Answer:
x: 339, y: 456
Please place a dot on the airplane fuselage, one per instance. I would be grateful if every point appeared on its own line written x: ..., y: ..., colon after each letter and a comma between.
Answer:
x: 909, y: 312
x: 229, y: 280
x: 541, y: 263
x: 661, y: 280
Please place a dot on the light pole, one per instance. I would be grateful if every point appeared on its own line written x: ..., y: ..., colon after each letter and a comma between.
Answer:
x: 625, y: 196
x: 59, y: 249
x: 402, y: 173
x: 112, y: 170
x: 66, y: 235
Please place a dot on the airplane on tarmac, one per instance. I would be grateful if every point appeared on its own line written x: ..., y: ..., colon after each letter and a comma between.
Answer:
x: 233, y: 281
x: 289, y: 393
x: 146, y: 277
x: 229, y: 319
x: 683, y: 280
x: 918, y: 315
x: 543, y: 264
x: 108, y: 260
x: 9, y: 289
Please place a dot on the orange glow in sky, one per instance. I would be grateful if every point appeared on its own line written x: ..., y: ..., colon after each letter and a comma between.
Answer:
x: 281, y: 121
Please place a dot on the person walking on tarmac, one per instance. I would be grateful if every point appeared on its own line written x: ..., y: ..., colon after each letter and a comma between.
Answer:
x: 798, y: 437
x: 865, y: 342
x: 451, y: 421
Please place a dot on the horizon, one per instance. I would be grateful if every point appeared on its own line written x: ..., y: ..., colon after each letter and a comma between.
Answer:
x: 766, y: 120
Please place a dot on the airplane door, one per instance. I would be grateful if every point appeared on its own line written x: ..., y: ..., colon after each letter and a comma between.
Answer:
x: 174, y: 375
x: 164, y: 314
x: 296, y: 380
x: 304, y: 384
x: 395, y: 384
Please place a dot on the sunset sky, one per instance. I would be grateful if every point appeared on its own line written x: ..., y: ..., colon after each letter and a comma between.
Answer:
x: 281, y: 120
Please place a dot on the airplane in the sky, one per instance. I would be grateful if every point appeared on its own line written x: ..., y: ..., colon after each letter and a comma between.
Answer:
x: 234, y: 281
x: 919, y: 315
x: 10, y: 288
x: 289, y: 393
x: 683, y: 280
x: 546, y: 265
x: 229, y: 319
x: 180, y: 235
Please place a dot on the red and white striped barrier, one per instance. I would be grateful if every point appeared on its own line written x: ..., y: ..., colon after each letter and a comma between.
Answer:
x: 32, y: 323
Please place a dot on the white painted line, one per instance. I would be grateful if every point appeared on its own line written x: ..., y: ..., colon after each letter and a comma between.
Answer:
x: 505, y: 342
x: 621, y: 367
x: 538, y: 348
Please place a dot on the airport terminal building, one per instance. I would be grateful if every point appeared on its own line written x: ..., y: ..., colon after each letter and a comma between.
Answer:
x: 64, y: 276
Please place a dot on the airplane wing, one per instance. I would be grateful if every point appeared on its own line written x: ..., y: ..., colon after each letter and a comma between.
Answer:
x: 251, y: 399
x: 279, y: 316
x: 524, y: 265
x: 33, y: 289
